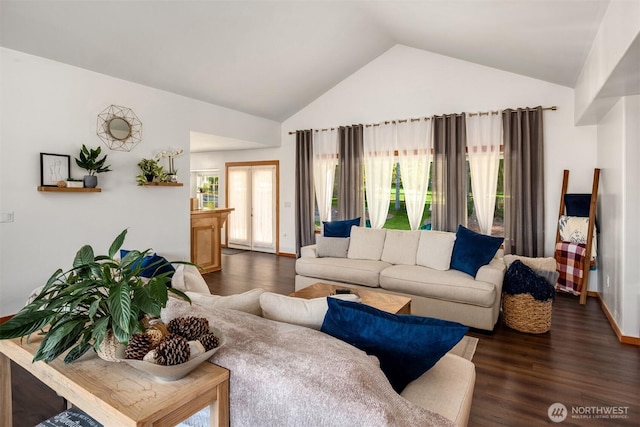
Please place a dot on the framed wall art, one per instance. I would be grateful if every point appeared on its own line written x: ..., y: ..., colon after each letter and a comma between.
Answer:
x: 54, y: 168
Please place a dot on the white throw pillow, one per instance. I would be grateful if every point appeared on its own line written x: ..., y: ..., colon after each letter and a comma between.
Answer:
x: 400, y: 247
x: 332, y: 247
x: 366, y: 243
x: 249, y: 301
x: 297, y: 311
x: 188, y: 278
x: 435, y: 249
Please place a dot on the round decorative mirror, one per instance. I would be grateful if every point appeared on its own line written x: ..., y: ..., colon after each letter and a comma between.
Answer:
x: 119, y: 128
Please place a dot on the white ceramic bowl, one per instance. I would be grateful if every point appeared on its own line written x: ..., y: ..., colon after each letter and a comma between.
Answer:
x: 173, y: 372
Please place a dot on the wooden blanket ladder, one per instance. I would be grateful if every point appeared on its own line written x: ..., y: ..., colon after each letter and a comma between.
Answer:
x: 586, y: 267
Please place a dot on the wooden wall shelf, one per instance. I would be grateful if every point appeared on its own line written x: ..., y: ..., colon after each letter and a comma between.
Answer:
x: 69, y: 189
x: 163, y: 184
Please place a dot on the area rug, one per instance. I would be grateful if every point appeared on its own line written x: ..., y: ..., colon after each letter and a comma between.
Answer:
x: 466, y: 348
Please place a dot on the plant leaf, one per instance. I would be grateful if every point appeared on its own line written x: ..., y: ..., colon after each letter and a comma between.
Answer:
x: 117, y: 243
x: 180, y: 294
x: 158, y: 291
x: 100, y: 330
x: 25, y: 322
x: 83, y: 257
x: 119, y: 302
x: 60, y: 338
x: 76, y: 352
x: 122, y: 335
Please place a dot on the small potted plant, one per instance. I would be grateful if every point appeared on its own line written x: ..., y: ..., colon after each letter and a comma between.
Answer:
x: 89, y: 159
x: 150, y: 170
x: 101, y: 298
x: 172, y: 174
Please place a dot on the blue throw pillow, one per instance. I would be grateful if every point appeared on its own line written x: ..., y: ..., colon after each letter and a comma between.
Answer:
x: 339, y: 228
x: 152, y: 265
x: 406, y: 346
x: 472, y: 250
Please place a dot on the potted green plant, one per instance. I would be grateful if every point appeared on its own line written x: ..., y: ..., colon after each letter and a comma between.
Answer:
x: 100, y: 297
x: 89, y: 159
x: 150, y: 169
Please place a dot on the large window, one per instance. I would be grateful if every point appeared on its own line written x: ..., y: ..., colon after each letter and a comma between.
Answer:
x: 397, y: 217
x: 207, y: 184
x: 498, y: 214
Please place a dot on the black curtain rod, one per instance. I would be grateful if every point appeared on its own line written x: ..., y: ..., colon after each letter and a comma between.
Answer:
x: 481, y: 113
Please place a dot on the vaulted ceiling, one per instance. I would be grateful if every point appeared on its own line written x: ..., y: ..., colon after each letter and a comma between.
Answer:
x: 272, y: 58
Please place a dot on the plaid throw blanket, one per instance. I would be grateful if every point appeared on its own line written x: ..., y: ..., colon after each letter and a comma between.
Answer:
x: 570, y: 258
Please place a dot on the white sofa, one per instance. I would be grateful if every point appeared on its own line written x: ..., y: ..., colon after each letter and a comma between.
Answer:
x: 446, y: 389
x: 409, y: 263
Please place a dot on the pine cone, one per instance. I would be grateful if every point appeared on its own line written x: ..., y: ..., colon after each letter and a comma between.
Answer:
x: 138, y: 346
x: 189, y: 327
x: 172, y: 350
x: 209, y: 341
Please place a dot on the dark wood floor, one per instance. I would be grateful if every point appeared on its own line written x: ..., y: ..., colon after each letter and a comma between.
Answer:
x: 579, y: 363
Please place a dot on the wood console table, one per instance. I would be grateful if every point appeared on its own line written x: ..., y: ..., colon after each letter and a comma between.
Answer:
x: 205, y: 237
x: 115, y: 394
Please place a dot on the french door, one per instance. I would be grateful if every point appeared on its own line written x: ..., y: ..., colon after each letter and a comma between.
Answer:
x: 252, y: 190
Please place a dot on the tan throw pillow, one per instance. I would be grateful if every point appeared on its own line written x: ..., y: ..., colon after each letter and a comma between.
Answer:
x: 366, y: 243
x: 297, y: 311
x: 187, y: 278
x: 400, y: 247
x: 435, y: 249
x: 249, y: 301
x: 332, y: 247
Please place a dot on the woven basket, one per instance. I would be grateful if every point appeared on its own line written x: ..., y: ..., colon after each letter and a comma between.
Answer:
x: 108, y: 347
x: 524, y: 313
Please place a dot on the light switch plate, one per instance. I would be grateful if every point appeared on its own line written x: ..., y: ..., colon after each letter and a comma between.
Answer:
x: 6, y: 216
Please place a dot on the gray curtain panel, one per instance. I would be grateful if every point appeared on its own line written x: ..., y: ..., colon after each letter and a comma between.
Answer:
x: 351, y: 172
x: 523, y: 182
x: 305, y: 196
x: 449, y: 179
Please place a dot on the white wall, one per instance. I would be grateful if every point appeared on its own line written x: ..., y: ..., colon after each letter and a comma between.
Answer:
x: 51, y: 107
x: 618, y: 156
x: 620, y: 26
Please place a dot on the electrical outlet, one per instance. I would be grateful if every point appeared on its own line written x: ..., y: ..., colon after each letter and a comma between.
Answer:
x: 6, y: 216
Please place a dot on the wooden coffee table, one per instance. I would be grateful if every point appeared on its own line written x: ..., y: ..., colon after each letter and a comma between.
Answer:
x: 387, y: 302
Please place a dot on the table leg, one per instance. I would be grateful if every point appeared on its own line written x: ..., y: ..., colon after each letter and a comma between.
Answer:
x: 219, y: 410
x: 6, y: 411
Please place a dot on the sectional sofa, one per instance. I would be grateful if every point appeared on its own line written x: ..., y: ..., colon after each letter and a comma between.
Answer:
x: 452, y: 276
x: 352, y: 384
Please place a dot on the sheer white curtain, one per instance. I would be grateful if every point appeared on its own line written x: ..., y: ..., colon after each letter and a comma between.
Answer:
x: 484, y: 138
x: 325, y: 160
x: 414, y: 144
x: 379, y: 158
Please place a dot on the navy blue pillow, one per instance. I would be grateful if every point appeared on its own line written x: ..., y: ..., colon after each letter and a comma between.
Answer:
x: 406, y: 346
x: 339, y: 228
x: 578, y: 205
x: 472, y: 250
x: 151, y: 265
